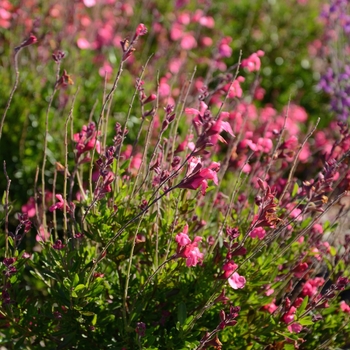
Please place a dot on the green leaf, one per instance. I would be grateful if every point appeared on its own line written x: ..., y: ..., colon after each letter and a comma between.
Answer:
x: 79, y: 287
x: 75, y: 280
x: 295, y: 190
x: 87, y: 313
x: 306, y: 321
x: 94, y: 320
x: 332, y: 251
x: 181, y: 313
x: 303, y: 305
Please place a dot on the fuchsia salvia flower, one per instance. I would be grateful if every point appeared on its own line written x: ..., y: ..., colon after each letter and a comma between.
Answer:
x: 344, y: 307
x: 270, y: 308
x: 141, y: 30
x: 258, y: 232
x: 86, y: 140
x: 60, y: 204
x: 310, y: 287
x: 29, y: 207
x: 188, y: 249
x: 197, y: 177
x: 253, y: 63
x: 288, y: 317
x: 235, y: 89
x: 236, y: 281
x: 295, y: 328
x: 299, y: 270
x: 43, y: 235
x: 58, y: 245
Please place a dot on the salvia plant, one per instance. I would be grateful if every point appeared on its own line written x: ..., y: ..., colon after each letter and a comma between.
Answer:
x: 174, y: 209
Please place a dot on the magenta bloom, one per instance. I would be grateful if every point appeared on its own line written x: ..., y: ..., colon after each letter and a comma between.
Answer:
x: 344, y: 307
x: 43, y: 235
x: 60, y: 204
x: 182, y: 238
x: 197, y: 176
x: 295, y: 328
x: 288, y: 317
x: 253, y: 63
x: 141, y: 30
x: 87, y: 139
x: 58, y: 245
x: 29, y: 207
x: 236, y: 281
x: 229, y: 268
x: 188, y: 249
x: 271, y: 308
x: 258, y: 232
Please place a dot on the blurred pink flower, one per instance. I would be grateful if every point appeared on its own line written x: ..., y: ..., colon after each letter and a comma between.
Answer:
x: 288, y: 317
x: 188, y: 42
x: 29, y: 207
x: 182, y: 238
x: 224, y: 48
x: 60, y: 204
x: 295, y: 328
x: 235, y: 89
x: 258, y: 232
x: 89, y: 3
x: 141, y: 30
x: 83, y: 44
x: 207, y: 21
x: 271, y: 308
x: 253, y: 63
x: 344, y: 307
x: 236, y: 281
x: 43, y: 235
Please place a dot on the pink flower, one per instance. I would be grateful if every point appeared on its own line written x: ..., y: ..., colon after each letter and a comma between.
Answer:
x: 60, y: 204
x: 258, y: 232
x: 29, y: 208
x: 269, y: 291
x: 188, y: 42
x: 194, y: 257
x: 83, y: 44
x: 236, y: 281
x: 141, y: 30
x: 253, y: 63
x: 182, y: 238
x: 310, y: 287
x: 197, y: 177
x: 288, y: 317
x: 86, y: 140
x: 235, y: 89
x: 271, y: 308
x: 300, y: 269
x: 105, y: 71
x: 344, y: 307
x: 207, y: 21
x: 295, y: 328
x: 58, y: 245
x: 264, y: 144
x: 43, y: 235
x: 89, y: 3
x: 229, y: 268
x: 224, y: 48
x: 188, y: 249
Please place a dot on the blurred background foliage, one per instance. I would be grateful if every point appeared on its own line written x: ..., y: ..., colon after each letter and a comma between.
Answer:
x: 284, y: 30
